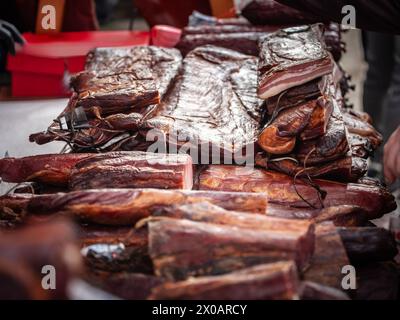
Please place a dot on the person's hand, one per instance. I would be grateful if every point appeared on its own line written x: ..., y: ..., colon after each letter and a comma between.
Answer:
x: 9, y: 35
x: 391, y: 157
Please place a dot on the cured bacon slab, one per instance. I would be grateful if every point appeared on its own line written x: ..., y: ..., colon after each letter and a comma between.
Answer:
x: 48, y: 168
x: 133, y: 170
x: 291, y: 57
x: 133, y: 81
x: 318, y: 123
x: 213, y: 103
x: 211, y: 213
x: 116, y: 92
x: 300, y: 233
x: 181, y: 248
x: 163, y: 63
x: 357, y: 126
x: 242, y: 38
x: 280, y: 188
x: 325, y: 156
x: 343, y: 215
x: 89, y: 234
x: 243, y: 42
x: 329, y: 257
x: 118, y: 257
x: 109, y: 170
x: 120, y: 79
x: 367, y: 244
x: 279, y: 136
x: 127, y: 206
x: 128, y: 286
x: 333, y: 145
x: 99, y: 131
x: 301, y: 112
x: 347, y: 169
x: 260, y: 12
x: 268, y: 281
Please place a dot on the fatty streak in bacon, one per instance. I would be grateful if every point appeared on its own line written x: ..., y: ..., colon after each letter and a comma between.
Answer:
x: 133, y: 169
x: 298, y: 95
x: 277, y: 280
x: 181, y: 248
x: 279, y: 188
x: 213, y: 102
x: 128, y: 206
x: 291, y: 57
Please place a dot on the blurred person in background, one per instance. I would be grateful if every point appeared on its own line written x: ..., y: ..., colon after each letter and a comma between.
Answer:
x: 104, y: 9
x: 381, y: 96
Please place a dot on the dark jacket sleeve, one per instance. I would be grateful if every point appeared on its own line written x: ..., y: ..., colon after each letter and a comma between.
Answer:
x: 380, y: 15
